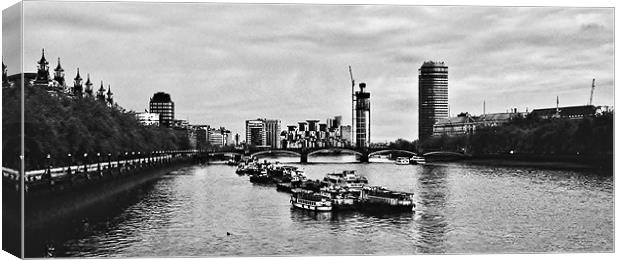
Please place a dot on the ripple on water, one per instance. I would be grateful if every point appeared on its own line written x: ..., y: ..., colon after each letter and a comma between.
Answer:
x: 460, y: 209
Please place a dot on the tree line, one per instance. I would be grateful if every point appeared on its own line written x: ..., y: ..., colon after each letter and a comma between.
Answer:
x: 60, y: 125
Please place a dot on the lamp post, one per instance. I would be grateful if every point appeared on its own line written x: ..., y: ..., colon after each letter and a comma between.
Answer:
x: 69, y: 162
x: 99, y: 164
x: 85, y: 162
x: 48, y: 173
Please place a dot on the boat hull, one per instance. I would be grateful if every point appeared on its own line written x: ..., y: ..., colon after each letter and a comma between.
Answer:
x: 311, y: 207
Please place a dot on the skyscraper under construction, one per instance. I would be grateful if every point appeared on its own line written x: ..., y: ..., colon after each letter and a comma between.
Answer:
x: 433, y: 96
x: 362, y: 117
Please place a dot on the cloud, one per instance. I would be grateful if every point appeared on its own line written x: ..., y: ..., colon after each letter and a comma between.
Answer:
x: 225, y: 63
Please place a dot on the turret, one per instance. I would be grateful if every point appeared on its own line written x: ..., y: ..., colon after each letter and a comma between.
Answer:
x: 89, y: 86
x: 59, y: 74
x: 43, y: 75
x: 77, y: 84
x: 101, y: 93
x: 109, y: 99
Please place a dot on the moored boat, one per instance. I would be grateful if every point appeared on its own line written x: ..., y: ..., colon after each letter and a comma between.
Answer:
x: 309, y: 200
x: 348, y: 179
x: 383, y: 200
x: 402, y: 161
x: 417, y: 160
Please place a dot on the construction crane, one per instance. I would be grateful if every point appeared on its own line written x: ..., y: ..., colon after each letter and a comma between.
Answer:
x: 352, y: 104
x: 591, y: 92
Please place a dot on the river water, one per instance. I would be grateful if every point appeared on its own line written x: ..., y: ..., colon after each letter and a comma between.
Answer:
x: 461, y: 208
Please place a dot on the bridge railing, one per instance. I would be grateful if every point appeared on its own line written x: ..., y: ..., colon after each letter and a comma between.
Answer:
x: 53, y: 172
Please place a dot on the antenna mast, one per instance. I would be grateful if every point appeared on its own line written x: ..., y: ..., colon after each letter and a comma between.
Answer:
x: 591, y: 93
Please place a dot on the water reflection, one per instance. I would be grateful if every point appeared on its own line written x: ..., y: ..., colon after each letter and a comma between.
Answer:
x: 431, y: 223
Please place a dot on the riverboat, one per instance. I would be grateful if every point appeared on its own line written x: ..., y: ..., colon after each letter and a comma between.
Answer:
x: 348, y: 179
x: 402, y: 161
x: 341, y: 198
x: 383, y: 200
x: 308, y: 200
x: 417, y: 160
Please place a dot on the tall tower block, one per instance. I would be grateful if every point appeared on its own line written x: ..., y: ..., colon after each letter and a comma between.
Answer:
x: 433, y: 96
x: 362, y: 117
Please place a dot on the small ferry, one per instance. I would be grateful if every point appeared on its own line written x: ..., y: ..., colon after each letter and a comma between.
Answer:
x: 308, y: 200
x: 402, y: 161
x: 348, y: 179
x: 417, y: 160
x: 384, y: 200
x: 341, y: 198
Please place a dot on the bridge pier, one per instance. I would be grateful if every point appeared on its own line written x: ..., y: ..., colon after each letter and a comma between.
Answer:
x: 304, y: 158
x: 364, y: 157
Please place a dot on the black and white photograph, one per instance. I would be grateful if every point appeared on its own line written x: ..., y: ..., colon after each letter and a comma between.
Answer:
x: 157, y: 129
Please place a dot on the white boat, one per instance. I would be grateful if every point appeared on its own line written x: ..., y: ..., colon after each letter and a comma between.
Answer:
x: 402, y: 161
x: 417, y: 160
x: 308, y: 200
x: 348, y: 179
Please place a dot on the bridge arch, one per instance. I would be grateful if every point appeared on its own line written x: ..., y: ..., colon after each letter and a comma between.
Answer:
x: 392, y: 150
x: 275, y: 152
x: 335, y: 150
x: 445, y: 154
x: 224, y: 153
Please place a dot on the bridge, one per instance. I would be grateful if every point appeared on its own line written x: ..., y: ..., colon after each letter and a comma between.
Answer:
x: 303, y: 153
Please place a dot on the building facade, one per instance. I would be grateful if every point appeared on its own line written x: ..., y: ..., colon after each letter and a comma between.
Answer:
x: 362, y: 117
x: 432, y: 96
x: 272, y: 132
x: 162, y: 104
x: 255, y: 133
x: 148, y: 118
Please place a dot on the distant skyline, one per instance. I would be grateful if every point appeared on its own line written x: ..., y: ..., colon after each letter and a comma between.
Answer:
x: 226, y: 63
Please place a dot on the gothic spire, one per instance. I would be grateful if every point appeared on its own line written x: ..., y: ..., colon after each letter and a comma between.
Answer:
x: 43, y: 61
x: 77, y: 77
x: 59, y: 68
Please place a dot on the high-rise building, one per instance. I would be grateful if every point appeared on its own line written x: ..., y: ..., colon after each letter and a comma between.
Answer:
x: 272, y: 130
x: 313, y: 125
x: 255, y: 132
x: 345, y: 134
x: 162, y: 104
x: 433, y: 96
x: 362, y: 117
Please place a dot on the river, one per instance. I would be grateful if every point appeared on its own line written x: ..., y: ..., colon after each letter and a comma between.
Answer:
x: 461, y: 208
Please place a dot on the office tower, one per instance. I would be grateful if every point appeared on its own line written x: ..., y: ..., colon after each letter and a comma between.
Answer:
x: 162, y: 104
x: 433, y: 96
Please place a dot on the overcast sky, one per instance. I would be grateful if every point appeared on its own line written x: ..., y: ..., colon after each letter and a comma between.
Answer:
x: 225, y: 63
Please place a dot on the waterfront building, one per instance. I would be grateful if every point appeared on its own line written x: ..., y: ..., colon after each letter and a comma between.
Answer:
x: 162, y: 104
x: 462, y: 124
x: 571, y: 112
x: 216, y: 138
x: 180, y: 123
x: 272, y: 132
x: 432, y: 96
x: 255, y: 132
x: 201, y: 135
x: 345, y: 134
x: 148, y: 118
x: 312, y: 125
x: 362, y: 117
